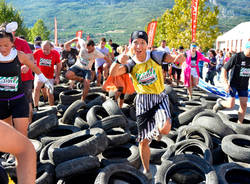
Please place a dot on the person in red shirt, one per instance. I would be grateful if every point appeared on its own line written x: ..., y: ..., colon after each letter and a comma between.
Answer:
x: 46, y: 58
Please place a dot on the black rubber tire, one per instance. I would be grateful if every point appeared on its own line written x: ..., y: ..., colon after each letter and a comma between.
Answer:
x: 219, y: 156
x: 46, y: 174
x: 112, y: 108
x: 70, y: 96
x: 111, y: 121
x: 194, y: 132
x: 44, y: 157
x: 42, y: 126
x: 189, y: 145
x: 86, y: 142
x: 212, y: 123
x: 126, y: 154
x: 171, y: 94
x: 208, y: 103
x: 231, y: 121
x: 188, y: 163
x: 57, y: 133
x: 76, y: 166
x: 122, y: 172
x: 129, y: 99
x: 94, y: 98
x: 97, y: 112
x: 44, y: 111
x: 158, y: 148
x: 117, y: 136
x: 232, y: 173
x: 132, y: 113
x: 61, y: 108
x: 80, y: 123
x: 70, y: 113
x: 37, y: 145
x: 191, y: 104
x: 237, y: 146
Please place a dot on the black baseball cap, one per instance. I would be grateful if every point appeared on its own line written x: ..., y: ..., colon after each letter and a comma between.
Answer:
x: 139, y: 34
x: 38, y: 39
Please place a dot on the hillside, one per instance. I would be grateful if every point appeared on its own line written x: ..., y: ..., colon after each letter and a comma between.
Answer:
x: 114, y: 19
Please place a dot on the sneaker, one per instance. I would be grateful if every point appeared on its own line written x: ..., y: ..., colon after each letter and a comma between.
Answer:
x: 35, y: 109
x: 148, y: 175
x: 190, y: 98
x: 158, y: 137
x: 218, y: 106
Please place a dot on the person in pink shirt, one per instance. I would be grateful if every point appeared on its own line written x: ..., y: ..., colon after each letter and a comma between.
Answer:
x: 191, y: 70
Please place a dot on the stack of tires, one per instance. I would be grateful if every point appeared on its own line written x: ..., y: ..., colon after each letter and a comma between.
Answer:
x: 95, y: 142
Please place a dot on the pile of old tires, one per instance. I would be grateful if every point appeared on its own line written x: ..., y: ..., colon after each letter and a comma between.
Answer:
x: 95, y: 142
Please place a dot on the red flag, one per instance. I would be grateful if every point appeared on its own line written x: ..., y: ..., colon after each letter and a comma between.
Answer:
x: 56, y: 41
x: 88, y: 38
x: 195, y: 4
x: 151, y: 33
x: 79, y: 33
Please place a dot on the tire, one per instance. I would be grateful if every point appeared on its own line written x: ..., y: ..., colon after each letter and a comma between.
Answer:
x: 187, y: 116
x: 186, y: 163
x: 42, y: 126
x: 112, y: 108
x: 129, y: 99
x: 80, y: 123
x: 70, y: 96
x: 126, y: 154
x: 58, y: 89
x: 76, y: 166
x: 37, y: 145
x: 195, y: 132
x: 85, y: 142
x: 191, y: 104
x: 70, y: 113
x: 44, y: 157
x: 212, y: 123
x: 61, y: 108
x: 237, y: 147
x: 57, y: 133
x: 231, y: 121
x: 123, y: 172
x: 208, y: 103
x: 171, y: 94
x: 132, y: 113
x: 232, y: 173
x: 97, y: 112
x: 94, y: 98
x: 46, y: 173
x: 44, y: 111
x: 194, y: 146
x: 109, y: 122
x: 219, y: 156
x: 117, y: 136
x: 158, y: 148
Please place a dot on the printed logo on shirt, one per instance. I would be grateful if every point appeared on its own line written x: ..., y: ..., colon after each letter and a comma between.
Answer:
x: 147, y: 78
x: 243, y: 63
x: 193, y: 62
x: 45, y: 62
x: 245, y: 72
x: 9, y: 83
x: 84, y: 62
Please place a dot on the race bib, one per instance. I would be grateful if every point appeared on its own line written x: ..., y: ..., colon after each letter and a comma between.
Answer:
x: 71, y: 59
x: 147, y: 78
x: 9, y: 83
x: 245, y: 72
x: 193, y: 62
x: 84, y: 62
x: 45, y: 62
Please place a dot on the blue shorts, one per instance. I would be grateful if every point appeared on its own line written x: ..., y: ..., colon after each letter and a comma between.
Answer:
x: 241, y: 93
x: 86, y: 74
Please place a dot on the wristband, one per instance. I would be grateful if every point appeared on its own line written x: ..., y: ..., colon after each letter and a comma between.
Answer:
x: 42, y: 78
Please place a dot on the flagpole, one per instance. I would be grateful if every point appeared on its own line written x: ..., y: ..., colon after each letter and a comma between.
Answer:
x: 56, y: 41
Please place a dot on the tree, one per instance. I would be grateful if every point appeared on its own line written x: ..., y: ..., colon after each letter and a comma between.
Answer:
x: 9, y: 14
x: 39, y: 29
x: 175, y: 25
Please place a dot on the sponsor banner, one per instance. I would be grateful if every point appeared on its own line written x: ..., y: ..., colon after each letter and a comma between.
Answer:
x: 194, y: 13
x: 56, y: 40
x: 79, y: 33
x: 151, y: 33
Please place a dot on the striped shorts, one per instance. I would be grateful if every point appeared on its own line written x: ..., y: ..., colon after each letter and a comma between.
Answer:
x: 145, y: 102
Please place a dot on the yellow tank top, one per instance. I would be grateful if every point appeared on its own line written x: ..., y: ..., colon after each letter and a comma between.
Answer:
x: 148, y: 78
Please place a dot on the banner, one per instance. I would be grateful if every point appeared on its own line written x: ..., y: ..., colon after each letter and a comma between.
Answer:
x: 79, y: 33
x: 55, y: 32
x: 151, y: 33
x: 194, y: 13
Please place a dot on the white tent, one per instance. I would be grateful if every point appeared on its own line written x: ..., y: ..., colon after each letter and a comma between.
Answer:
x: 235, y: 39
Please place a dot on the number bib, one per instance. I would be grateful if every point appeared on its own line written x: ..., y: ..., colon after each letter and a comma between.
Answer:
x: 84, y: 62
x: 9, y: 83
x: 193, y: 62
x: 245, y: 72
x: 45, y: 62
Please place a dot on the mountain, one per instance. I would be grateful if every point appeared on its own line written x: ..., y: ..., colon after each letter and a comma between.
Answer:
x: 114, y: 19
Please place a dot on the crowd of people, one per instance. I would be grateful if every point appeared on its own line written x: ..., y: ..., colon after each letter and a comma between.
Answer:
x: 123, y: 69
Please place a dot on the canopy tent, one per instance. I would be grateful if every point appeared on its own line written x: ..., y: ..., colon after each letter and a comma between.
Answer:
x: 235, y: 39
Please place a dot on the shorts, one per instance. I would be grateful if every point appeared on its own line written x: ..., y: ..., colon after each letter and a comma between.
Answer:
x: 177, y: 71
x: 165, y: 67
x: 99, y: 69
x: 17, y: 108
x: 93, y: 68
x: 85, y: 74
x: 194, y: 72
x: 241, y: 93
x: 36, y: 80
x: 3, y: 176
x: 27, y: 86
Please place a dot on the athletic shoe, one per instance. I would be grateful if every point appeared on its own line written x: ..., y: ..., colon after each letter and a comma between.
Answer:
x: 218, y: 106
x: 148, y: 175
x: 158, y: 137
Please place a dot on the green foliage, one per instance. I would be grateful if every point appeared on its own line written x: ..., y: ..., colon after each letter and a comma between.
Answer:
x: 175, y: 25
x: 9, y: 14
x: 39, y: 29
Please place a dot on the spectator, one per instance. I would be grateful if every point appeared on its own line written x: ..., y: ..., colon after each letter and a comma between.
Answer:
x: 211, y: 67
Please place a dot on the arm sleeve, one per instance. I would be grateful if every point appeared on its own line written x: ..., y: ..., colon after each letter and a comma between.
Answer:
x: 158, y: 56
x: 130, y: 65
x: 230, y: 63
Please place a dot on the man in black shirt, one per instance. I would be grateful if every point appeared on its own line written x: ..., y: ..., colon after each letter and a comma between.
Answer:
x: 239, y: 65
x: 114, y: 47
x: 69, y: 55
